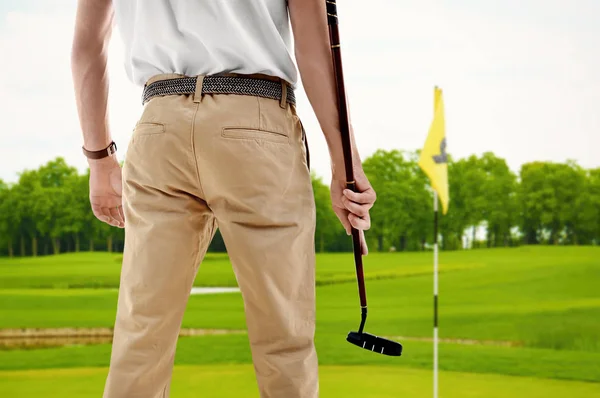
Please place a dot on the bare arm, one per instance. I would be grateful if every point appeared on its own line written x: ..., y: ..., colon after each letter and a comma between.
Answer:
x: 93, y: 28
x: 313, y: 55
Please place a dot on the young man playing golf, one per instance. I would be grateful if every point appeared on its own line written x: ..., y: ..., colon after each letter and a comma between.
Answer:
x: 218, y: 143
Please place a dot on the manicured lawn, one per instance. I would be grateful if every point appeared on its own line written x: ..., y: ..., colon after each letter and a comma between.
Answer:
x: 334, y: 350
x: 99, y: 269
x: 540, y: 297
x: 545, y: 300
x: 89, y: 270
x: 233, y: 381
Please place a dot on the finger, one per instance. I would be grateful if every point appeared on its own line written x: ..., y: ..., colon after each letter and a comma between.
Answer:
x: 103, y: 218
x: 342, y: 215
x: 97, y: 210
x: 359, y: 223
x: 111, y: 220
x: 365, y: 197
x: 116, y: 215
x: 122, y: 213
x: 353, y: 207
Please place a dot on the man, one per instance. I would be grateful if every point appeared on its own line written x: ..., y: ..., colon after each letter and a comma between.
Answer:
x: 218, y: 143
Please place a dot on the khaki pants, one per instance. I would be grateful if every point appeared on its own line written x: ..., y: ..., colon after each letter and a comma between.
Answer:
x: 195, y: 162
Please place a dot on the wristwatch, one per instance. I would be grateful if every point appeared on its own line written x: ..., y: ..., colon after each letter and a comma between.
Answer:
x: 102, y: 153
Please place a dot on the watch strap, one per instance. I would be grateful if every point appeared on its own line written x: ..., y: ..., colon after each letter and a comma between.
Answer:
x: 102, y: 153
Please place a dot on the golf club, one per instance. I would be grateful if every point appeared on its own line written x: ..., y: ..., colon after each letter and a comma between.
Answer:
x: 365, y: 340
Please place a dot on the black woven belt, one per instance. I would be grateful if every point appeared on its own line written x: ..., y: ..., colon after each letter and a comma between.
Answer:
x: 218, y: 85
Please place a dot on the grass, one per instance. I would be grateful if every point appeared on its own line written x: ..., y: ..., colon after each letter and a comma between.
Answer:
x: 544, y: 299
x: 92, y: 270
x: 569, y: 324
x: 101, y: 270
x: 335, y: 381
x: 334, y: 350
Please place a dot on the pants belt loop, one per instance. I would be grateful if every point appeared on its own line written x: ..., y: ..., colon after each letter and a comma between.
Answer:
x: 283, y: 102
x: 198, y: 92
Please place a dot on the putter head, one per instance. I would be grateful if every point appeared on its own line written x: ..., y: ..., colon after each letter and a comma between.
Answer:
x: 375, y: 343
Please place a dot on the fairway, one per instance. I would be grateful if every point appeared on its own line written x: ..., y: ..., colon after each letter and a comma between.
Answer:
x: 531, y: 316
x: 333, y: 349
x: 542, y: 297
x: 235, y: 381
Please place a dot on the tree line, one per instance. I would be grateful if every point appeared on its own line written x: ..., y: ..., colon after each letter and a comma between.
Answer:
x: 47, y: 210
x: 490, y: 205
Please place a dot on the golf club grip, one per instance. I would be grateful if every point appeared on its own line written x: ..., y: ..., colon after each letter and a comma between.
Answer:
x: 334, y: 39
x: 331, y: 12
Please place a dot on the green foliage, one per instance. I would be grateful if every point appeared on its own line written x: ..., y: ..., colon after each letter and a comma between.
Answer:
x: 499, y: 208
x: 328, y: 226
x: 549, y: 203
x: 560, y: 203
x: 401, y: 217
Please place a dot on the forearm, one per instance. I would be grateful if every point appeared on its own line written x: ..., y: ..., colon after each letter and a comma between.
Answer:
x: 314, y: 59
x: 89, y: 61
x: 90, y: 81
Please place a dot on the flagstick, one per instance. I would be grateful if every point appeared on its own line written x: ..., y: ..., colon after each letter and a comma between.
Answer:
x: 435, y: 294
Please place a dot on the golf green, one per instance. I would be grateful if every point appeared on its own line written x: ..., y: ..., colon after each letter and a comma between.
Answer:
x: 233, y: 381
x: 543, y: 297
x: 515, y: 322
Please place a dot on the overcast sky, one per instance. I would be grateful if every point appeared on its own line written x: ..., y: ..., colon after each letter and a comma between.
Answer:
x: 520, y: 78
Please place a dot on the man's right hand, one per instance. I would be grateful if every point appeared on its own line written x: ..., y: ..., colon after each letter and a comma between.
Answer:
x: 352, y: 208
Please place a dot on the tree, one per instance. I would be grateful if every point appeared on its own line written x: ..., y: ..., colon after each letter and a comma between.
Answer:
x: 27, y: 192
x: 402, y: 215
x: 583, y: 215
x: 52, y: 214
x: 472, y: 177
x: 79, y: 215
x: 421, y: 204
x: 328, y: 225
x: 459, y: 217
x: 538, y: 203
x: 594, y: 191
x: 8, y: 217
x: 498, y: 191
x: 557, y: 203
x: 54, y: 204
x: 56, y: 173
x: 387, y: 172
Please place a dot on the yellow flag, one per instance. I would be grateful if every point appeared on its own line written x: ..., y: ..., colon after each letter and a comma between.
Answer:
x: 434, y: 159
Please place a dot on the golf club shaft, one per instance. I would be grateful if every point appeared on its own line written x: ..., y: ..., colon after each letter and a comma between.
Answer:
x: 334, y: 38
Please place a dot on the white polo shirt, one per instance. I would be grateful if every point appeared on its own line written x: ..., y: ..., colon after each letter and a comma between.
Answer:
x: 194, y: 37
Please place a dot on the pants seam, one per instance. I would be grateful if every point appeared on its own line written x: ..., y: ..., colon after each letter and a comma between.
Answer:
x: 194, y: 158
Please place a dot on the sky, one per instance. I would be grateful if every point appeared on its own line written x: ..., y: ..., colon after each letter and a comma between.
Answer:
x: 520, y: 78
